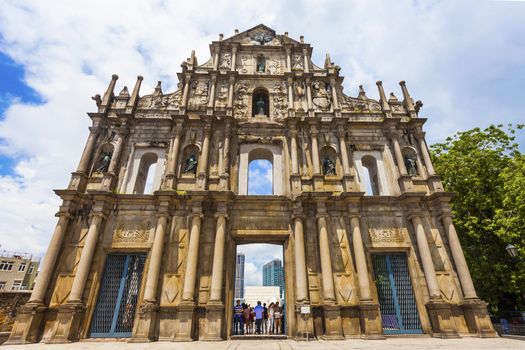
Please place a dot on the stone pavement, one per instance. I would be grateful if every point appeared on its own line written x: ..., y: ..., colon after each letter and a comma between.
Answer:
x: 418, y: 343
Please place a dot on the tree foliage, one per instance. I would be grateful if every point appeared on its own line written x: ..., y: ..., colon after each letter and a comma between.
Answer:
x: 487, y: 171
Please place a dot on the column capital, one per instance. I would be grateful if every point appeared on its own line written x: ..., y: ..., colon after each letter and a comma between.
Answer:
x: 97, y: 214
x: 415, y: 215
x: 419, y: 134
x: 221, y: 214
x: 393, y: 134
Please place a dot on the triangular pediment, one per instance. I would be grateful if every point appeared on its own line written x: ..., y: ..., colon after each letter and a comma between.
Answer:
x: 259, y: 35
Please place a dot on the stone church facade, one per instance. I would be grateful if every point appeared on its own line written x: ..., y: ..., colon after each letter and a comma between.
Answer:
x: 146, y: 238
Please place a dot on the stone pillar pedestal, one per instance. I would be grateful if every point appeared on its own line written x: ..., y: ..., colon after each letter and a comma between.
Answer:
x: 332, y: 323
x: 405, y: 183
x: 185, y: 318
x: 371, y: 321
x: 442, y: 320
x: 296, y: 183
x: 27, y: 325
x: 146, y: 324
x: 78, y: 181
x: 69, y: 319
x: 434, y: 184
x: 318, y: 182
x: 213, y: 322
x: 478, y: 319
x: 304, y: 325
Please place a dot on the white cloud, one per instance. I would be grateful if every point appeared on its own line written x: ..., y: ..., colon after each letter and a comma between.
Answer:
x: 464, y: 59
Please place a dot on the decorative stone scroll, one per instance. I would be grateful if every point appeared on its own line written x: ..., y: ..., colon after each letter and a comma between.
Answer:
x: 132, y: 232
x: 386, y: 235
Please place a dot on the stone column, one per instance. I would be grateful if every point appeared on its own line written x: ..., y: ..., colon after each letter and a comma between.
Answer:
x: 326, y: 260
x: 211, y: 101
x: 300, y: 261
x: 152, y: 278
x: 309, y: 93
x: 344, y: 152
x: 88, y: 150
x: 84, y: 265
x: 203, y: 161
x: 234, y: 58
x: 394, y: 137
x: 186, y: 91
x: 107, y: 181
x: 293, y: 141
x: 225, y: 175
x: 216, y: 58
x: 218, y: 259
x: 315, y: 151
x: 290, y: 93
x: 360, y: 259
x: 230, y: 92
x: 193, y: 257
x: 48, y: 266
x: 288, y: 59
x: 171, y: 176
x: 334, y: 94
x: 305, y: 57
x: 424, y: 151
x: 426, y: 258
x: 469, y: 292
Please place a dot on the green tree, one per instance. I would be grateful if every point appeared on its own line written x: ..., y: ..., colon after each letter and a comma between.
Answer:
x: 480, y: 165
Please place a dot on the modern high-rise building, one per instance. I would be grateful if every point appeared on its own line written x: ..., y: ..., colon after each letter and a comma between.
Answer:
x: 239, y: 276
x: 273, y: 275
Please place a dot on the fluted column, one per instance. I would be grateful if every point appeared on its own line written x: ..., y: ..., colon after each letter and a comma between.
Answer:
x: 424, y: 151
x: 300, y: 260
x: 394, y: 137
x: 173, y: 156
x: 86, y: 258
x: 88, y: 150
x: 193, y: 258
x: 426, y: 258
x: 152, y: 278
x: 326, y: 259
x: 218, y: 258
x: 293, y: 141
x: 290, y: 93
x: 48, y: 266
x: 315, y: 151
x: 469, y: 292
x: 344, y: 152
x: 309, y: 93
x: 360, y: 259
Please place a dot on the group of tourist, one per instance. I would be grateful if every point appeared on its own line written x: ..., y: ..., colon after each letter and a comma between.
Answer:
x: 257, y: 320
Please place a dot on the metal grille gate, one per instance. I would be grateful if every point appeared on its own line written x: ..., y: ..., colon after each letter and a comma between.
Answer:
x: 117, y: 299
x: 395, y: 293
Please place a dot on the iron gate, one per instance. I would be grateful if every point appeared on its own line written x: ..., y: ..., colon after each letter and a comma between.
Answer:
x: 117, y: 299
x: 395, y: 293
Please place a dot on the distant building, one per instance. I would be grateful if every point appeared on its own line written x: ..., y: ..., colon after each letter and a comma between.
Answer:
x: 273, y: 275
x: 266, y: 295
x: 239, y: 276
x: 17, y: 271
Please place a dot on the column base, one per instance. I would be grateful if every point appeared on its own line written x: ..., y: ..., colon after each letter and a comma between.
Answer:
x: 304, y: 324
x: 349, y: 184
x: 332, y: 322
x: 185, y: 321
x: 107, y: 181
x: 434, y: 184
x: 371, y: 321
x: 78, y: 181
x: 202, y: 180
x: 478, y: 319
x: 213, y: 322
x: 27, y: 325
x: 405, y: 182
x: 146, y: 324
x: 223, y: 182
x: 296, y: 183
x: 170, y: 182
x: 318, y: 182
x: 442, y: 320
x: 69, y: 319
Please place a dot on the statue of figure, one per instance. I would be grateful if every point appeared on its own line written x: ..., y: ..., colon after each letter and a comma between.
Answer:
x: 411, y: 165
x: 261, y: 67
x: 328, y: 166
x: 191, y: 164
x: 260, y: 106
x: 103, y: 163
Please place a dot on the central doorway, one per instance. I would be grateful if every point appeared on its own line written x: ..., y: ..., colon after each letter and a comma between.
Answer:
x: 259, y: 302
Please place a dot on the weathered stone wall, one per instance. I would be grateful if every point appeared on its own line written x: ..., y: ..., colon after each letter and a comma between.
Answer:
x: 9, y: 301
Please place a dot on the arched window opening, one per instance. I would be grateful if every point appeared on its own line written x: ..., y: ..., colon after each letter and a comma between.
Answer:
x: 410, y: 159
x: 260, y: 172
x: 370, y: 177
x: 260, y: 103
x: 104, y: 158
x: 146, y: 174
x: 329, y: 161
x: 190, y: 160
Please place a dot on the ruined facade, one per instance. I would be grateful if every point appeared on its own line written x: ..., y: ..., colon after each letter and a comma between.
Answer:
x: 146, y: 237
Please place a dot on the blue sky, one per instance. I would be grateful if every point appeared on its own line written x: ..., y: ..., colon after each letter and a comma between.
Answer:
x: 464, y: 59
